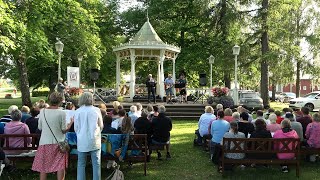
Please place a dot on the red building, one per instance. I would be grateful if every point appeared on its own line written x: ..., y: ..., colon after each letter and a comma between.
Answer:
x: 306, y: 86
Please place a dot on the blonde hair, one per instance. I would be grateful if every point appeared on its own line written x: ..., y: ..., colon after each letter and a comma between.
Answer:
x: 102, y: 106
x: 228, y: 112
x: 208, y: 109
x: 25, y: 109
x: 116, y: 105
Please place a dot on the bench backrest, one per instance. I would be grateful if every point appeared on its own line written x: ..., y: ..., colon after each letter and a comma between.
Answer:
x: 4, y: 139
x: 138, y: 142
x: 261, y: 145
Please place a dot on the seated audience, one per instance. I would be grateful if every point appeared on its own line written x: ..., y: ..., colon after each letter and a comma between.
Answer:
x: 7, y: 118
x: 218, y: 129
x: 161, y: 127
x: 142, y: 125
x: 298, y: 113
x: 126, y: 127
x: 25, y: 110
x: 115, y: 110
x: 228, y: 115
x: 107, y: 129
x: 204, y: 123
x: 295, y: 125
x: 150, y: 111
x: 103, y: 109
x: 244, y: 125
x: 273, y: 127
x: 236, y: 116
x: 305, y: 119
x: 269, y: 111
x: 313, y: 134
x: 233, y: 133
x: 139, y: 108
x: 117, y: 123
x: 219, y: 107
x: 17, y: 127
x: 32, y: 122
x: 133, y: 113
x: 285, y: 132
x: 155, y: 113
x: 279, y: 117
x: 260, y: 116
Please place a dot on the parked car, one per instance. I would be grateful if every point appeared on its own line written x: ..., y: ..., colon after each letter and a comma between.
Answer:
x: 250, y: 100
x: 311, y: 101
x: 285, y: 97
x: 277, y: 95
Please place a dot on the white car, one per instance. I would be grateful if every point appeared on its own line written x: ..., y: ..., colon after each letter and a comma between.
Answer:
x: 311, y: 101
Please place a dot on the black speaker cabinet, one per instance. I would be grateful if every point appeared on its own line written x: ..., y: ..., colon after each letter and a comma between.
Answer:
x: 94, y: 74
x: 202, y: 79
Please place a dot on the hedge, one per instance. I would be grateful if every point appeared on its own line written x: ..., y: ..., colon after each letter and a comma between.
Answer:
x: 40, y: 93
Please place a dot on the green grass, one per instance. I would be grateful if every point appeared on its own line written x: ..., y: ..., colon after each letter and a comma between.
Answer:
x: 188, y: 162
x: 6, y: 103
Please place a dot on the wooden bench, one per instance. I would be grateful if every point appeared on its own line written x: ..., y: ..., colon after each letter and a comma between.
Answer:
x: 137, y: 142
x: 27, y: 152
x: 261, y: 146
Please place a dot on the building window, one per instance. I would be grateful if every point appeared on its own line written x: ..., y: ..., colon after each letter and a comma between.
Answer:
x: 304, y: 88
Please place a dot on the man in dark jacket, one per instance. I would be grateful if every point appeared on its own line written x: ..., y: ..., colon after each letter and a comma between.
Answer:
x: 151, y: 85
x: 161, y: 127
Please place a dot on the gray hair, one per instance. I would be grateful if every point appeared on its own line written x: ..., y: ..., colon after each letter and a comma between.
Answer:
x: 139, y: 106
x: 236, y: 115
x: 16, y: 115
x: 286, y: 123
x: 133, y: 108
x: 316, y: 117
x: 161, y: 109
x: 11, y: 108
x: 86, y: 99
x: 149, y: 108
x: 144, y: 113
x: 55, y: 99
x: 273, y: 117
x: 219, y: 106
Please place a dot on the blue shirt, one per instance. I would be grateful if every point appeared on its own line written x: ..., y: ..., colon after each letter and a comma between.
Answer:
x: 218, y: 129
x: 204, y: 123
x: 169, y: 82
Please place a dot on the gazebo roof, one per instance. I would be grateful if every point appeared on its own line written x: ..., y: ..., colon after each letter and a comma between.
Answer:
x: 146, y: 34
x: 146, y: 38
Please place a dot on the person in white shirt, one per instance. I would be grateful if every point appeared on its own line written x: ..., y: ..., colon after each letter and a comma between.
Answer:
x: 88, y: 125
x: 117, y: 123
x: 139, y: 109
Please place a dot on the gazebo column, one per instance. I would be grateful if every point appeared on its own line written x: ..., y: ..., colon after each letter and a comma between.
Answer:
x: 162, y: 91
x: 158, y: 78
x: 174, y: 74
x: 118, y: 89
x: 132, y: 74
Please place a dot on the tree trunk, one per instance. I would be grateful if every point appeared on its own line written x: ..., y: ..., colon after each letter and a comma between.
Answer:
x: 264, y: 84
x: 227, y: 80
x: 298, y: 78
x: 273, y: 91
x: 182, y: 32
x: 24, y: 83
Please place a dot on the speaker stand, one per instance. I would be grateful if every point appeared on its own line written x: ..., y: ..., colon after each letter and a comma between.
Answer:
x: 96, y: 94
x: 201, y: 95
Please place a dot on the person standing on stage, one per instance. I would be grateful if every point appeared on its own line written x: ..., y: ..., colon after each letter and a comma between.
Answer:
x: 151, y: 85
x: 168, y: 82
x: 61, y: 89
x: 182, y: 85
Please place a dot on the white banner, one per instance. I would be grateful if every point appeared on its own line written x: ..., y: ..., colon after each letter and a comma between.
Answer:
x: 73, y: 77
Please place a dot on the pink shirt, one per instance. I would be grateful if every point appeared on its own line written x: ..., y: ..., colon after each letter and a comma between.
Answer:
x: 273, y: 127
x: 280, y: 134
x: 313, y: 134
x: 17, y: 127
x: 228, y: 118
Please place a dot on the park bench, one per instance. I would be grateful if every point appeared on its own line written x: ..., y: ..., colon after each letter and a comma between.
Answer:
x: 137, y: 143
x: 25, y: 153
x: 261, y: 146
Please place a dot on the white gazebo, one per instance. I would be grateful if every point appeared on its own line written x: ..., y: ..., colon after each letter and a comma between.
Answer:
x: 146, y: 45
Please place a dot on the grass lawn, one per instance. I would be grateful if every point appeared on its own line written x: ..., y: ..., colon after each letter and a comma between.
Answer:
x: 6, y: 103
x: 187, y: 162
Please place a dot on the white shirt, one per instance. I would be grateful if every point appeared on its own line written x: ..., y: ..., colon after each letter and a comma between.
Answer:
x: 88, y: 125
x: 117, y: 123
x: 69, y: 115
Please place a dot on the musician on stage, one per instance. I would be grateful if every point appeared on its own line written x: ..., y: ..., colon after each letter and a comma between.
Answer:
x: 182, y: 87
x: 169, y: 83
x: 151, y: 85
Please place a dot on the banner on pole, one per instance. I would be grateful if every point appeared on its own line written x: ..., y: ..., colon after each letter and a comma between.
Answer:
x: 73, y: 77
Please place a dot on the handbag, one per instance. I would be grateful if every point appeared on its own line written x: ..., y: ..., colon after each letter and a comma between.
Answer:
x: 116, y: 174
x: 63, y: 145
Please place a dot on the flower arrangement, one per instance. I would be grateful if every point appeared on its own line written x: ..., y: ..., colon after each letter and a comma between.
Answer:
x: 220, y: 91
x: 75, y: 91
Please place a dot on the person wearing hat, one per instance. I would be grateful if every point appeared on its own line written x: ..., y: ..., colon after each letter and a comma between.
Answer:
x: 151, y: 85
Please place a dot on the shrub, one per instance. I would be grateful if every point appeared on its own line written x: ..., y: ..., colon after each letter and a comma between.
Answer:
x: 40, y: 93
x: 219, y: 92
x: 75, y: 91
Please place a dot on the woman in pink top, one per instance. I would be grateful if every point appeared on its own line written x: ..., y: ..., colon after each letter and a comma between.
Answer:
x: 17, y: 127
x: 285, y: 132
x: 273, y: 127
x: 313, y: 134
x: 228, y: 115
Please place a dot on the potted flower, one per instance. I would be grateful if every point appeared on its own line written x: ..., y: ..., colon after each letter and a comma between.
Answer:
x: 220, y: 96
